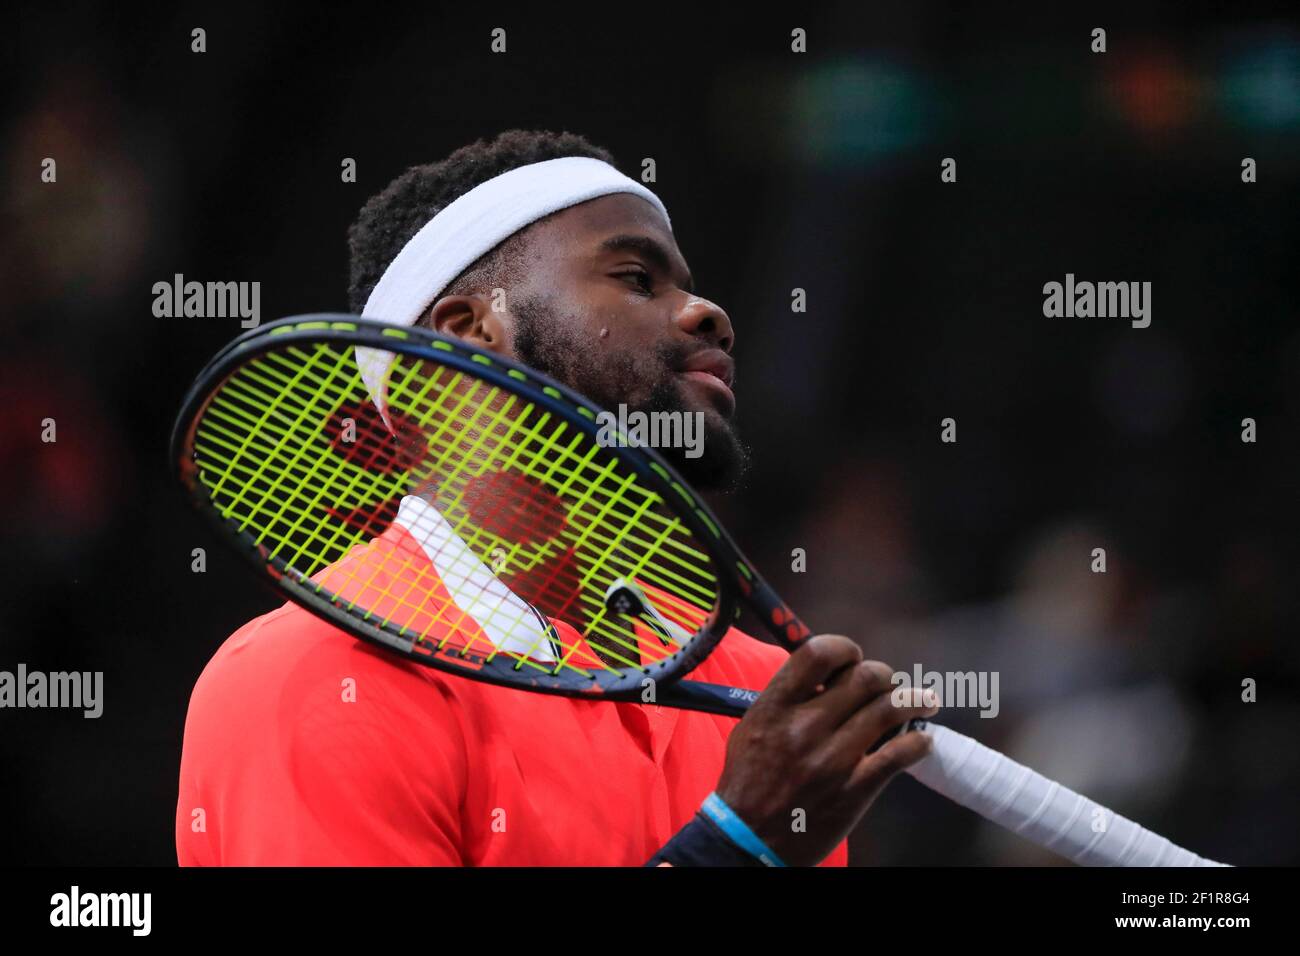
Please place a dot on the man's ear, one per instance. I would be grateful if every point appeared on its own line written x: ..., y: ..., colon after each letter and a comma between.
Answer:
x: 471, y: 318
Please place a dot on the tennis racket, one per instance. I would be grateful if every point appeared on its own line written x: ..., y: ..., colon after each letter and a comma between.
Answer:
x: 489, y: 524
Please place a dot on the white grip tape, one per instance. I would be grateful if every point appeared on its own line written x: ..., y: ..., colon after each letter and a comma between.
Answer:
x: 1040, y: 810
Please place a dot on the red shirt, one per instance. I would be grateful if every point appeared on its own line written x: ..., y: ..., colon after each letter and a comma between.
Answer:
x: 305, y: 746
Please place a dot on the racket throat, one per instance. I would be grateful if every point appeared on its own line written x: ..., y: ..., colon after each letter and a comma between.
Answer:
x: 626, y: 598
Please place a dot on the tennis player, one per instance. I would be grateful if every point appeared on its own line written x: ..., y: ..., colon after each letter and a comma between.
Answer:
x: 304, y: 746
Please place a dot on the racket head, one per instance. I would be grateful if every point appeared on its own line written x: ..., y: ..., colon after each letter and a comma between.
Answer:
x: 516, y: 487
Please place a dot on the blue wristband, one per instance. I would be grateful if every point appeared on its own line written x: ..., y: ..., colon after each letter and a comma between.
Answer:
x: 702, y: 843
x: 737, y: 830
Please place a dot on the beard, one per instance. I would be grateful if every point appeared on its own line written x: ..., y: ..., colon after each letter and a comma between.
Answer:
x: 549, y: 342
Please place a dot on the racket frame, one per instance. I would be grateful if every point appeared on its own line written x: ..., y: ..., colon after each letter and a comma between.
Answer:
x: 737, y: 580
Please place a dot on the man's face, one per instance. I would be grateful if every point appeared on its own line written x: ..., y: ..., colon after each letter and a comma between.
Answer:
x: 606, y: 307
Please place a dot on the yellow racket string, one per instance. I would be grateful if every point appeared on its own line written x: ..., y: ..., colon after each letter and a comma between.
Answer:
x: 530, y: 511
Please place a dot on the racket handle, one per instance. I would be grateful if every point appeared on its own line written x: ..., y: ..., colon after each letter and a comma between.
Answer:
x: 1041, y: 810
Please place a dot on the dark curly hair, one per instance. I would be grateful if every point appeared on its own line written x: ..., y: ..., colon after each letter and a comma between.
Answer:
x: 389, y: 220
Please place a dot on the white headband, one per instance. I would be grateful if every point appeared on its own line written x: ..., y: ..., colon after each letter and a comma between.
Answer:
x: 468, y: 228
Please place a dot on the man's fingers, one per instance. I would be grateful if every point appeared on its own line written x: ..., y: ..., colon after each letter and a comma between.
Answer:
x: 876, y: 719
x: 877, y: 769
x: 810, y: 666
x: 850, y: 689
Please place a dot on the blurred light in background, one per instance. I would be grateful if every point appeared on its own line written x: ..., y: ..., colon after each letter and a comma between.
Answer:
x: 843, y: 113
x: 79, y: 241
x: 1260, y: 83
x: 853, y: 112
x: 1154, y: 92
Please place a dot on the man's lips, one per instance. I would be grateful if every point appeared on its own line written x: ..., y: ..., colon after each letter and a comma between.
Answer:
x: 714, y: 370
x: 713, y: 361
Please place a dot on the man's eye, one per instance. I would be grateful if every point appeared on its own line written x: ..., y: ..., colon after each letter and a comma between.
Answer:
x: 640, y: 277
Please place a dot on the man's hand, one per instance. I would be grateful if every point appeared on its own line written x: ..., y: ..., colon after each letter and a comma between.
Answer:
x: 803, y: 746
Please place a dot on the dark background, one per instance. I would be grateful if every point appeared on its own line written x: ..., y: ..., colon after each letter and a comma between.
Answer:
x: 818, y: 171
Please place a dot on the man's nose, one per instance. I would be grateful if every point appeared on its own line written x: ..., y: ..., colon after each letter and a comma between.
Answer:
x: 706, y: 319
